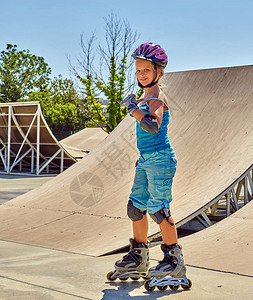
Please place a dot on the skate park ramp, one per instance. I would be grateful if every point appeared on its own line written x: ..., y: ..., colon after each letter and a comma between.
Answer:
x: 83, y: 209
x: 27, y: 144
x: 225, y: 246
x: 82, y: 142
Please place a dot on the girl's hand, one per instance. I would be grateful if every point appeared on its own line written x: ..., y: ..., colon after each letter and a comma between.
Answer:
x: 133, y: 99
x: 130, y: 102
x: 130, y: 97
x: 139, y: 100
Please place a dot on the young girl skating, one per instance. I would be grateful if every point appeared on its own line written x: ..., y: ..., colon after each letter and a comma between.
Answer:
x: 151, y: 191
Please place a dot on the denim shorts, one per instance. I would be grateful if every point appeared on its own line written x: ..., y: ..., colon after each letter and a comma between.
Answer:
x: 152, y: 185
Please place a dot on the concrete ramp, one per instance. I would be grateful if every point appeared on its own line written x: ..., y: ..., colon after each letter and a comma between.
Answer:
x: 83, y: 209
x: 82, y: 142
x: 212, y: 133
x: 226, y: 246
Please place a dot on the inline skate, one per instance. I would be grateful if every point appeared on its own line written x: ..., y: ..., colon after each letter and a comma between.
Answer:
x: 133, y: 265
x: 170, y: 272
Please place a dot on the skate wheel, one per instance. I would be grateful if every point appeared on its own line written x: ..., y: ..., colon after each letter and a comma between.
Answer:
x: 187, y: 286
x: 174, y: 287
x: 124, y: 278
x: 146, y: 277
x: 147, y: 287
x: 162, y: 288
x: 109, y: 276
x: 135, y: 278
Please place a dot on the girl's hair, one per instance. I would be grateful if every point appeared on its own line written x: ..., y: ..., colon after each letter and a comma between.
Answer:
x: 160, y: 68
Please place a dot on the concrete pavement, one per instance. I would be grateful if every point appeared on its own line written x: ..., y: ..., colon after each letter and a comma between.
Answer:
x: 12, y: 186
x: 28, y: 272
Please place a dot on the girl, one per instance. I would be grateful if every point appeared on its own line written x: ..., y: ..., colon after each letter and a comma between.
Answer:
x: 156, y: 167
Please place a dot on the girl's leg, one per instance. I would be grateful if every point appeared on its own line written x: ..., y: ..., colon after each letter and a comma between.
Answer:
x: 160, y: 172
x: 169, y: 232
x: 140, y: 230
x: 137, y: 260
x: 139, y: 197
x: 173, y: 261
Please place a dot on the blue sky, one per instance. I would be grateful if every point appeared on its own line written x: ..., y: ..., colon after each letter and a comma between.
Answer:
x: 196, y: 34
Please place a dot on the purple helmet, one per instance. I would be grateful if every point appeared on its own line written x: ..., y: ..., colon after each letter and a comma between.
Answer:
x: 151, y: 52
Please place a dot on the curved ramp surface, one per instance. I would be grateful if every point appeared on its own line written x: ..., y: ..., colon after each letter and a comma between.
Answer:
x: 211, y: 132
x: 226, y: 246
x: 82, y: 142
x: 27, y: 144
x: 84, y: 208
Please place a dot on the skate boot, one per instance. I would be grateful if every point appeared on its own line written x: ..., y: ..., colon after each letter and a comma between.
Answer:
x: 170, y: 271
x: 134, y: 264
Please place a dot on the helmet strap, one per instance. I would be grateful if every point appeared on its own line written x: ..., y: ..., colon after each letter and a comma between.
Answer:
x: 152, y: 83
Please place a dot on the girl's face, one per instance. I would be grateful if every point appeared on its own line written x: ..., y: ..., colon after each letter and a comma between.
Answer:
x: 145, y: 71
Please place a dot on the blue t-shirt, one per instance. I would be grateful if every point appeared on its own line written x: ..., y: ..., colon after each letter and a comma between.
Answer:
x: 147, y: 142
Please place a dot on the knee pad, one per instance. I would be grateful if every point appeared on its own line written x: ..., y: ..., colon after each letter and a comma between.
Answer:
x: 134, y: 213
x: 160, y: 215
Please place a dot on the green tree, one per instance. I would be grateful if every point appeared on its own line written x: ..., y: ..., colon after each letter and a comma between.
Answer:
x: 110, y: 79
x: 25, y: 77
x: 62, y: 106
x: 92, y: 107
x: 21, y: 73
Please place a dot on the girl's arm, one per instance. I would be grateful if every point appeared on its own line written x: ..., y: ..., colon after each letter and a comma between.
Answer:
x: 151, y: 122
x: 156, y: 110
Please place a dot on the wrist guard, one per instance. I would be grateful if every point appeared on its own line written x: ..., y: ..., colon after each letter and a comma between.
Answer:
x: 131, y: 106
x: 149, y: 124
